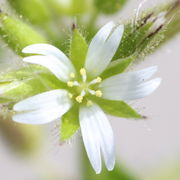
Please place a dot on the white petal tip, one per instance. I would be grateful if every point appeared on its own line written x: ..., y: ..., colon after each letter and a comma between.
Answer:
x: 26, y: 59
x: 16, y: 107
x: 30, y: 48
x: 98, y: 171
x: 16, y: 119
x: 111, y: 166
x: 157, y: 82
x: 27, y: 49
x: 110, y: 23
x: 121, y: 26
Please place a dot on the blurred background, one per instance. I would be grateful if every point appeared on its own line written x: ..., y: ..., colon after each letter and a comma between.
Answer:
x: 146, y: 149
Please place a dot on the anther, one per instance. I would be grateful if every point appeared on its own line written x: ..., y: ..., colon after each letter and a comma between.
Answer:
x: 79, y: 99
x: 83, y: 71
x: 70, y: 83
x: 99, y: 93
x: 98, y: 79
x: 72, y: 75
x: 89, y: 103
x: 70, y: 95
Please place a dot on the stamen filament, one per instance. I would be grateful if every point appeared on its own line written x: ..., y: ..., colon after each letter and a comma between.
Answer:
x: 73, y: 83
x: 72, y: 75
x: 99, y: 93
x: 95, y: 81
x: 83, y: 93
x: 91, y: 91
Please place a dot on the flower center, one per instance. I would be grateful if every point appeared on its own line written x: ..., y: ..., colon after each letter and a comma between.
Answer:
x: 81, y: 88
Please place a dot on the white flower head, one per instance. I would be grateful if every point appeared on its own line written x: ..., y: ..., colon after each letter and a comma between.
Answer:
x: 81, y: 84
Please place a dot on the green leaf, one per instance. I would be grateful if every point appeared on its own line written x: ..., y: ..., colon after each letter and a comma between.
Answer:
x: 78, y: 49
x: 69, y: 123
x: 22, y: 138
x: 35, y: 84
x: 109, y: 6
x: 36, y: 11
x: 18, y: 34
x: 117, y: 67
x: 22, y: 73
x: 5, y: 100
x: 116, y: 108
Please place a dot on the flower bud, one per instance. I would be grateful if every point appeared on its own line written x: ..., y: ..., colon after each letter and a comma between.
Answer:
x: 36, y: 11
x: 69, y: 7
x: 18, y: 34
x: 109, y: 6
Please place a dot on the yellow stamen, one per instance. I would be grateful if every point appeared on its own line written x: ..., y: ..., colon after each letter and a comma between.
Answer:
x: 98, y: 79
x: 70, y: 83
x: 83, y: 71
x: 79, y: 99
x: 89, y: 103
x: 72, y: 75
x: 99, y: 93
x: 70, y: 95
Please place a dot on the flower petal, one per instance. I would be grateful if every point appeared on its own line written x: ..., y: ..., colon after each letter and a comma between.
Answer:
x: 53, y: 59
x: 102, y: 48
x: 129, y: 92
x: 49, y: 50
x: 42, y: 108
x: 59, y: 69
x: 129, y: 86
x: 97, y: 134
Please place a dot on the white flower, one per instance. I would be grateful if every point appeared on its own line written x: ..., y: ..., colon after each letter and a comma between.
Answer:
x: 48, y: 106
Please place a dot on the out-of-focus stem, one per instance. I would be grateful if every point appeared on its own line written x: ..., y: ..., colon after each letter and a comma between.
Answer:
x: 21, y: 138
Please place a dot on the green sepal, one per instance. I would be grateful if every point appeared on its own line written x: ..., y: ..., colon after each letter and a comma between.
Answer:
x: 117, y: 67
x: 69, y: 123
x: 36, y: 11
x: 18, y: 34
x: 109, y: 6
x: 78, y: 49
x: 117, y: 108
